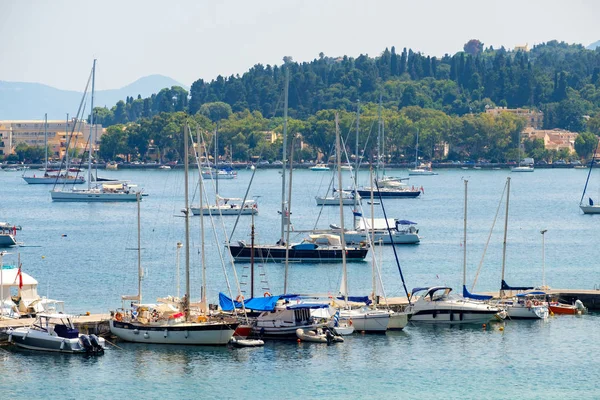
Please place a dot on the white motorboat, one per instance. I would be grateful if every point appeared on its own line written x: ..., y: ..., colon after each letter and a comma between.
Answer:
x: 164, y: 167
x: 523, y: 168
x: 319, y: 167
x: 55, y: 332
x: 8, y: 235
x: 235, y: 342
x: 437, y: 306
x: 421, y: 171
x: 334, y: 200
x: 227, y: 206
x: 220, y: 174
x: 401, y: 231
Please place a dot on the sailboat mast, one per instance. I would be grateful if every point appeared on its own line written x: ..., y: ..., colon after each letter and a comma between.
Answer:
x: 505, y: 230
x: 378, y: 139
x: 46, y: 140
x: 341, y: 199
x: 201, y: 189
x: 252, y: 258
x: 67, y: 135
x: 373, y: 266
x: 285, y: 115
x: 217, y: 163
x: 288, y: 219
x: 89, y: 171
x: 465, y: 237
x: 187, y: 223
x: 356, y: 163
x: 417, y: 151
x: 138, y: 197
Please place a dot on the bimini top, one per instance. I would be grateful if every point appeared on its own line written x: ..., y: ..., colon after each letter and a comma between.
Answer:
x: 430, y: 290
x: 326, y: 239
x: 10, y: 277
x: 307, y: 305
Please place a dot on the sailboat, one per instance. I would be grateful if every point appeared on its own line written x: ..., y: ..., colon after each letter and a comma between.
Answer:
x: 522, y: 167
x: 166, y: 322
x: 100, y: 192
x: 216, y: 173
x: 52, y: 177
x: 521, y: 306
x: 589, y: 208
x: 437, y: 305
x: 419, y: 168
x: 321, y: 247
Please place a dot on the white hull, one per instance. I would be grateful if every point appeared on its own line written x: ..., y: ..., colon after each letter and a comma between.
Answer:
x: 590, y: 209
x: 208, y: 333
x: 374, y: 321
x: 522, y: 169
x: 223, y: 210
x: 50, y: 180
x: 398, y: 320
x: 334, y: 201
x: 91, y: 196
x: 420, y: 172
x: 354, y: 237
x: 518, y: 311
x: 456, y: 317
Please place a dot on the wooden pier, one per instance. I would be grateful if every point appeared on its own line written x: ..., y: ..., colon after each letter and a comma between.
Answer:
x: 93, y: 323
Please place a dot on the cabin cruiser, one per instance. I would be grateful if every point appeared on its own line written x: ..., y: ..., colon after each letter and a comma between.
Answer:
x: 55, y: 332
x: 436, y: 305
x: 391, y: 188
x: 401, y: 231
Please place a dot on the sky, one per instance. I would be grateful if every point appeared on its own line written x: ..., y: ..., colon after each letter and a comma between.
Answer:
x: 55, y: 42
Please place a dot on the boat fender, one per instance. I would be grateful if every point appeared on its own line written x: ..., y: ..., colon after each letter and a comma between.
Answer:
x: 267, y: 294
x: 435, y: 313
x: 239, y: 298
x: 166, y: 332
x: 62, y: 344
x: 528, y: 304
x: 119, y: 317
x: 136, y: 332
x: 350, y: 322
x: 536, y: 303
x: 9, y: 332
x: 146, y: 336
x: 460, y: 316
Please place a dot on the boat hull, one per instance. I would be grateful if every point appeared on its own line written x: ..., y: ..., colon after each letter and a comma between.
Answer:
x: 7, y: 240
x: 49, y: 180
x: 332, y: 201
x: 382, y: 237
x: 524, y: 312
x: 398, y: 321
x: 565, y: 309
x: 391, y: 194
x: 369, y: 322
x: 41, y: 341
x: 277, y: 254
x: 420, y: 172
x: 590, y: 209
x: 185, y: 333
x: 224, y: 210
x: 91, y: 196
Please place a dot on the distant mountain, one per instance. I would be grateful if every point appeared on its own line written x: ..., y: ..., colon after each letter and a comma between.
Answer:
x: 23, y: 100
x: 593, y: 45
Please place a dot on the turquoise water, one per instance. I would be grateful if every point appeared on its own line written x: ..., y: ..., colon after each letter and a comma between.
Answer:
x: 79, y: 253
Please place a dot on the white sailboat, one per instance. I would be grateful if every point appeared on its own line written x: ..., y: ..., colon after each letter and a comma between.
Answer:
x: 522, y: 167
x: 420, y: 169
x: 113, y: 191
x: 590, y: 207
x: 52, y: 177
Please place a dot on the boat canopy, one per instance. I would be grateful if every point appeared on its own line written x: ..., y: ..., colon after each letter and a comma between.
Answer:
x: 405, y: 222
x: 357, y: 299
x: 474, y: 296
x: 531, y: 294
x: 505, y: 286
x: 255, y: 303
x: 300, y: 306
x: 325, y: 238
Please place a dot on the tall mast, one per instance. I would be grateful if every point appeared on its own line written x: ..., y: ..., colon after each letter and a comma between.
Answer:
x: 285, y: 115
x: 465, y: 238
x: 201, y: 190
x: 68, y: 138
x: 288, y: 219
x: 216, y: 172
x: 138, y: 197
x: 373, y: 266
x: 252, y: 258
x: 46, y: 140
x: 356, y: 163
x: 505, y: 230
x: 341, y: 199
x: 186, y: 162
x: 417, y: 151
x: 378, y: 139
x: 89, y: 171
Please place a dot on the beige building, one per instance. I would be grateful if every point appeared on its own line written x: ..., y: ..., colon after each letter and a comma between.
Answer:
x: 554, y: 139
x: 13, y: 132
x: 533, y: 119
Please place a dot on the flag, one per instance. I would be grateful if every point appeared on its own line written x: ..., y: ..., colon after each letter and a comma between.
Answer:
x: 336, y: 318
x: 20, y: 275
x: 356, y: 213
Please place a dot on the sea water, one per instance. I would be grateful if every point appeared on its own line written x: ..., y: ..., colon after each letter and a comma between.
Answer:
x: 85, y: 254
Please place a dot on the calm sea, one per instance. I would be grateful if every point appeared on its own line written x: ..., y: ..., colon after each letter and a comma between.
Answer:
x: 82, y: 254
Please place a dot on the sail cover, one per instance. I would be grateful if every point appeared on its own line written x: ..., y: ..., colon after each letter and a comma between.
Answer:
x: 474, y: 296
x: 255, y: 303
x: 506, y: 287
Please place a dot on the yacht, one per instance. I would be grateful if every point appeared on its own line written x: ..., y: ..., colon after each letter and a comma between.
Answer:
x: 227, y: 206
x: 334, y: 200
x: 437, y: 306
x: 391, y: 188
x: 319, y: 167
x: 401, y: 231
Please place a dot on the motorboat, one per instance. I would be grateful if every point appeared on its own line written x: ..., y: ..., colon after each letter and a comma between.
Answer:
x: 164, y: 167
x: 50, y: 178
x: 436, y: 305
x: 321, y: 247
x: 568, y: 309
x: 391, y: 188
x: 523, y: 168
x: 334, y: 200
x: 319, y: 167
x: 8, y: 234
x: 227, y: 206
x: 401, y: 231
x: 55, y: 332
x: 210, y: 173
x: 421, y: 171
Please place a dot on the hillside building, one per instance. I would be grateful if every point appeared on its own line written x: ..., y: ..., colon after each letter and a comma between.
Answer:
x: 533, y: 119
x: 554, y: 139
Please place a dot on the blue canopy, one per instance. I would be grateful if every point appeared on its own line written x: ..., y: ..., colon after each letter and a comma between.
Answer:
x: 357, y: 299
x: 531, y: 294
x: 405, y: 222
x: 256, y: 303
x: 468, y: 295
x: 505, y: 286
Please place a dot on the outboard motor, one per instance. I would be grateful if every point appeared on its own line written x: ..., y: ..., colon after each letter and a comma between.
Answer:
x: 579, y: 305
x: 96, y: 344
x: 87, y: 345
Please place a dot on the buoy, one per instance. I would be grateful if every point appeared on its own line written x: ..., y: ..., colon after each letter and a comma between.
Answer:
x: 64, y: 235
x: 363, y: 332
x: 501, y: 328
x: 298, y: 340
x: 484, y: 326
x: 43, y: 257
x: 87, y: 313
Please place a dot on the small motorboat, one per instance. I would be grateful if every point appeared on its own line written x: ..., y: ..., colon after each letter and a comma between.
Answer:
x: 55, y: 332
x: 567, y: 309
x: 318, y: 336
x: 239, y: 343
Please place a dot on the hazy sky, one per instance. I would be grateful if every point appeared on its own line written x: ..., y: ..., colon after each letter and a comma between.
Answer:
x: 54, y: 42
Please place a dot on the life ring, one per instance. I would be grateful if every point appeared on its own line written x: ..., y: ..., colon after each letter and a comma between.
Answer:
x: 350, y: 322
x: 239, y: 298
x: 267, y: 294
x: 118, y: 317
x: 536, y: 303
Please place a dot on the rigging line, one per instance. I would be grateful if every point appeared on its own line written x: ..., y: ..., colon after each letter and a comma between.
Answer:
x: 589, y: 172
x: 488, y: 238
x: 392, y: 240
x: 323, y: 204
